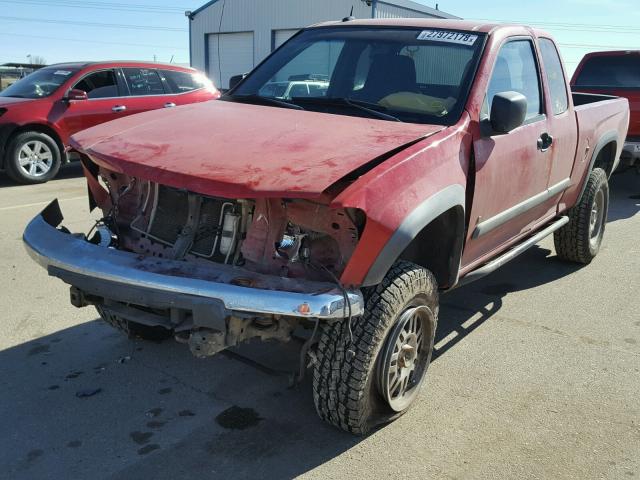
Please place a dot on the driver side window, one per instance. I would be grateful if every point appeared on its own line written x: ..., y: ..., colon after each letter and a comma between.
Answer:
x: 516, y: 70
x: 102, y: 84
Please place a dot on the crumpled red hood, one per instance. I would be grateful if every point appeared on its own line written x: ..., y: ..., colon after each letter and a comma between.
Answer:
x: 244, y: 151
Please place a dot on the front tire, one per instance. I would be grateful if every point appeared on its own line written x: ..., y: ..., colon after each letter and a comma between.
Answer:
x: 580, y: 239
x: 32, y: 157
x: 376, y: 377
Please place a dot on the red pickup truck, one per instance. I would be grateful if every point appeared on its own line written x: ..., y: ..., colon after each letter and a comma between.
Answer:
x: 41, y: 111
x: 434, y: 152
x: 615, y: 73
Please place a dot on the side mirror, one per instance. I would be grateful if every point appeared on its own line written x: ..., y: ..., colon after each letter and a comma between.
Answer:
x: 235, y: 80
x: 76, y: 94
x: 508, y: 111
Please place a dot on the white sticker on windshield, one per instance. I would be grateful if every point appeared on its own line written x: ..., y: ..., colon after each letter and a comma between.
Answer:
x: 449, y: 37
x: 62, y: 72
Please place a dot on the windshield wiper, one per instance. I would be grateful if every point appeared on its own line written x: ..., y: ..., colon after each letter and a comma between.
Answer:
x: 370, y: 108
x: 263, y: 100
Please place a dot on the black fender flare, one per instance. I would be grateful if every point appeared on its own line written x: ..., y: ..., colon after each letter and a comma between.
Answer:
x: 450, y: 197
x: 605, y: 139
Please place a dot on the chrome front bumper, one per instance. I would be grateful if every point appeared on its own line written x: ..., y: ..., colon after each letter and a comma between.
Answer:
x: 156, y: 282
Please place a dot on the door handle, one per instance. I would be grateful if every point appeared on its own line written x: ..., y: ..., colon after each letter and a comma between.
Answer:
x: 169, y: 105
x: 544, y: 142
x: 119, y: 108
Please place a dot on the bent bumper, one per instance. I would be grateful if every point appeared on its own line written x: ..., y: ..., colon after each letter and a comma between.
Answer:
x: 162, y: 283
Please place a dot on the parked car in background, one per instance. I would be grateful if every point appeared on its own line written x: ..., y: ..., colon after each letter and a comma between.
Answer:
x: 615, y: 73
x: 40, y: 112
x: 441, y: 150
x: 297, y: 86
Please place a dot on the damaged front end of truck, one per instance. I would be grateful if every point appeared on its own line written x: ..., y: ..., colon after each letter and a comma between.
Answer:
x: 213, y: 272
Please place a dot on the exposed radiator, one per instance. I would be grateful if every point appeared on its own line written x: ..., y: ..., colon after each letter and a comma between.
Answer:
x: 178, y: 216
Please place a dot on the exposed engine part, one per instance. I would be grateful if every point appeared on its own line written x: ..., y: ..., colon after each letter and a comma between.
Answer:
x: 205, y: 342
x: 229, y: 233
x: 103, y: 236
x: 190, y: 223
x: 282, y: 237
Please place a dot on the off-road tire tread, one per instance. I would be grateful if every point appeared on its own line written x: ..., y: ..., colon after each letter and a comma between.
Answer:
x: 11, y: 168
x: 339, y: 384
x: 572, y: 241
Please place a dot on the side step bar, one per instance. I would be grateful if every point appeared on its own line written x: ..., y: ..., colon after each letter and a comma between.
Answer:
x: 493, y: 265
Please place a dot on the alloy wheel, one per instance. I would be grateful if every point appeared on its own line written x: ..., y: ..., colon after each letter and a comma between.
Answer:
x: 35, y: 158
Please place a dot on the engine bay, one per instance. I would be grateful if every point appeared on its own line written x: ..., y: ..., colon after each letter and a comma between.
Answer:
x: 290, y: 238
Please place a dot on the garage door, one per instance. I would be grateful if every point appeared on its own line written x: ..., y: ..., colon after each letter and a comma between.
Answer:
x: 236, y: 56
x: 281, y: 36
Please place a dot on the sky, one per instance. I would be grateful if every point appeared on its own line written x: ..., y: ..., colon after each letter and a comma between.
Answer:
x: 67, y: 30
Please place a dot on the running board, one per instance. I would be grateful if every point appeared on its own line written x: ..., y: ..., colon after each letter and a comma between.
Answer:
x: 493, y: 265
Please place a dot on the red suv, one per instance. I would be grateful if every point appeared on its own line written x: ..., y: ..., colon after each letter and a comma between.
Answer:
x: 40, y: 112
x: 615, y: 73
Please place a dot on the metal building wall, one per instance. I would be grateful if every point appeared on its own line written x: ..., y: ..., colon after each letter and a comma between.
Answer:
x: 264, y: 16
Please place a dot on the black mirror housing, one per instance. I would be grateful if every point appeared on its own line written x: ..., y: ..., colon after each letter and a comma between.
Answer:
x: 235, y: 80
x: 508, y: 111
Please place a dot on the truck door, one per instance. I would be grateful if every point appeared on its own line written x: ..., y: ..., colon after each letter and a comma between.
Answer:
x: 561, y: 120
x: 512, y: 170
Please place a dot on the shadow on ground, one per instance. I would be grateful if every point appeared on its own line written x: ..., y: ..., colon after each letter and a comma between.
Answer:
x: 70, y: 170
x: 624, y: 195
x: 86, y: 402
x: 155, y: 413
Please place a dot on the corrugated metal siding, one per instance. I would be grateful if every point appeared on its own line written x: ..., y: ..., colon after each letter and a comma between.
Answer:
x: 389, y: 11
x: 262, y: 17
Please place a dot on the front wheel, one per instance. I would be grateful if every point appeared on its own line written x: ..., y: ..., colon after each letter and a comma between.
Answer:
x: 32, y: 157
x: 371, y: 372
x: 580, y: 239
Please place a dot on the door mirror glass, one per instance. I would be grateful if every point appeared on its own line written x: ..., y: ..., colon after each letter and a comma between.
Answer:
x: 508, y: 111
x: 76, y: 94
x: 235, y: 80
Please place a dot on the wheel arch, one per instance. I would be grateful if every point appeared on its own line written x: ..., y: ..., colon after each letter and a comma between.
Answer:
x: 604, y: 156
x: 35, y: 127
x: 431, y: 236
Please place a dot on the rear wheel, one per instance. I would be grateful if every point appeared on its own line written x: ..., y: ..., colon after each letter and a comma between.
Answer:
x: 580, y: 239
x: 373, y: 373
x: 32, y: 157
x: 133, y: 329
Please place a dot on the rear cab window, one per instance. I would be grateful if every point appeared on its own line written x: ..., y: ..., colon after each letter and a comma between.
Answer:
x: 143, y: 81
x: 555, y: 76
x: 610, y: 71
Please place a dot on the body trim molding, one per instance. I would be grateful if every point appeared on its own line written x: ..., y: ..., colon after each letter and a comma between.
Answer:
x: 503, y: 217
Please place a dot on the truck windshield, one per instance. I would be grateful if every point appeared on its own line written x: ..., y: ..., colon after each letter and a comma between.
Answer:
x: 391, y: 74
x: 39, y: 84
x: 610, y: 71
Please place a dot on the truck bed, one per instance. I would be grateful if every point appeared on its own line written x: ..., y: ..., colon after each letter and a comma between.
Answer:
x: 600, y: 119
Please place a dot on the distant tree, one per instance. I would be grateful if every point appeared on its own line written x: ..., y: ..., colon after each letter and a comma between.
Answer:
x: 38, y: 60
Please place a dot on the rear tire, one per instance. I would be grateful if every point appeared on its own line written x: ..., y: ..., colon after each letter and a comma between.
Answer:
x: 133, y: 329
x: 32, y: 157
x: 580, y: 239
x: 375, y: 379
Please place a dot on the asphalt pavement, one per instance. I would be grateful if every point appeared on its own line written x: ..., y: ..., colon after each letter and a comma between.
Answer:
x: 536, y: 375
